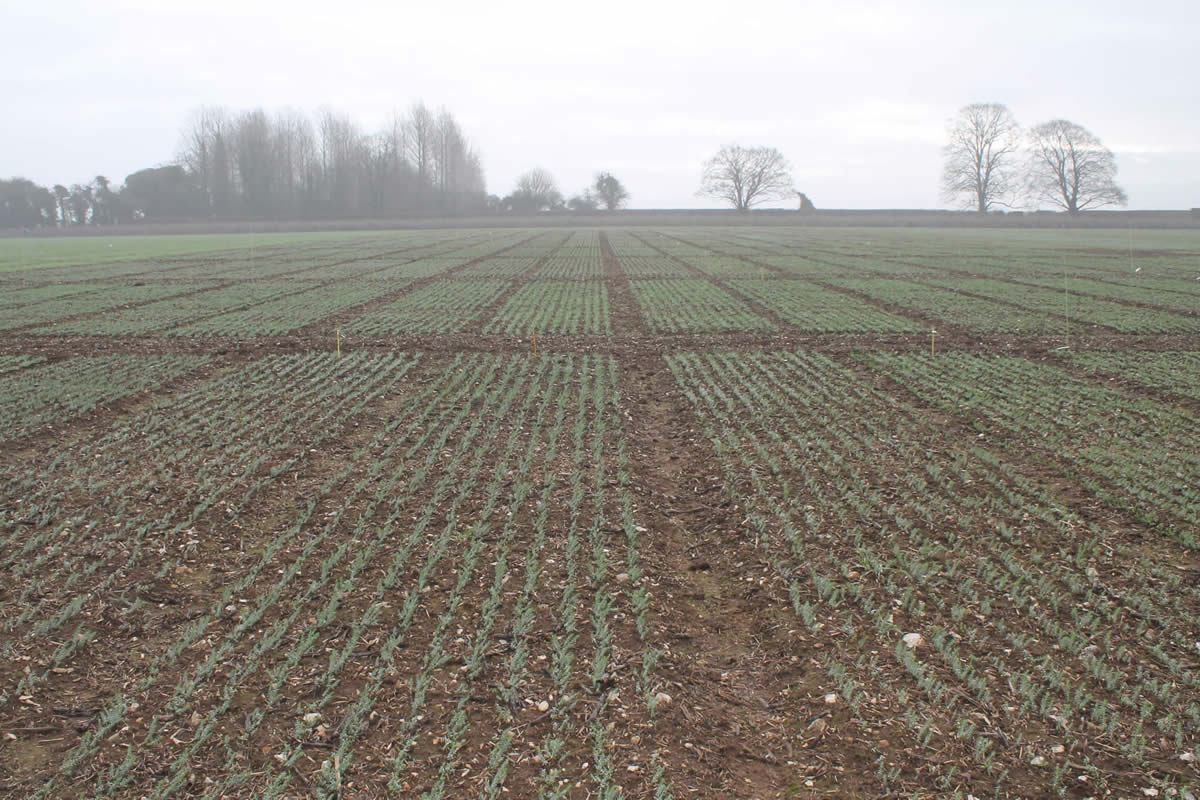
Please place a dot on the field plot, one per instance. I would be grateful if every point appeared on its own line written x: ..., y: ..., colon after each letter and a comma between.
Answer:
x: 1085, y: 308
x: 15, y: 298
x: 949, y: 306
x: 653, y: 265
x: 815, y: 308
x: 693, y: 305
x: 445, y: 306
x: 286, y: 314
x: 1140, y: 454
x: 580, y: 264
x: 736, y: 529
x: 1149, y: 295
x: 1015, y: 658
x: 501, y: 268
x: 555, y: 307
x: 98, y: 297
x: 176, y: 310
x: 1176, y: 373
x: 14, y: 363
x: 57, y: 392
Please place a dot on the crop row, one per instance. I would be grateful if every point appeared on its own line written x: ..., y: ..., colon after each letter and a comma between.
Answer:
x: 177, y: 310
x: 16, y: 297
x: 1162, y: 286
x: 809, y: 258
x: 1174, y: 372
x: 1144, y: 293
x: 103, y: 298
x: 18, y: 362
x: 58, y: 392
x: 1043, y: 639
x: 951, y: 307
x: 1081, y: 307
x: 285, y: 314
x: 113, y: 514
x: 312, y: 260
x: 1136, y: 453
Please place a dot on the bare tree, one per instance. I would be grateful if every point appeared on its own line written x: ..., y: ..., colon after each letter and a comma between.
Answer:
x: 1071, y: 169
x: 254, y: 162
x: 609, y: 191
x: 747, y: 176
x: 981, y: 167
x: 205, y: 153
x: 293, y: 146
x: 420, y: 133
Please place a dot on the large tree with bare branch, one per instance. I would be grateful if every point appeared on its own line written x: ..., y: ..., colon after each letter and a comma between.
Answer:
x: 1070, y: 168
x: 982, y: 169
x: 747, y: 176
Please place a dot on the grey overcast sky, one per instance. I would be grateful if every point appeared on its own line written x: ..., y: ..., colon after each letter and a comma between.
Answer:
x: 856, y: 95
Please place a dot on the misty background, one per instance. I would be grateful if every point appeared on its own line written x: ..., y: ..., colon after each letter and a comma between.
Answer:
x: 855, y: 95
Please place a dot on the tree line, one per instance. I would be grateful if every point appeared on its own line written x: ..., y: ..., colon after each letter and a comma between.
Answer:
x: 256, y: 165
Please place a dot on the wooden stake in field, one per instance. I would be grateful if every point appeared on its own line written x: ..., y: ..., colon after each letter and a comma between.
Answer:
x: 535, y: 342
x: 932, y: 342
x: 338, y: 333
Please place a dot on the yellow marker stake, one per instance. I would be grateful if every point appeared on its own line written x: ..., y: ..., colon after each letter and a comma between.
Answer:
x: 535, y: 342
x: 932, y: 341
x: 338, y: 332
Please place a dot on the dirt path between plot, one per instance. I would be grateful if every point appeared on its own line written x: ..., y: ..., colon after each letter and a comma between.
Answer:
x: 747, y: 716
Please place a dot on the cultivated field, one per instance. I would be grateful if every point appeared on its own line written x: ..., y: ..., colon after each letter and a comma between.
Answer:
x: 316, y: 516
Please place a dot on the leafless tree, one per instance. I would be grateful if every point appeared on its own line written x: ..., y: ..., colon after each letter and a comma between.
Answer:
x: 253, y: 157
x: 609, y: 191
x: 206, y: 154
x: 747, y: 176
x: 981, y: 167
x: 420, y: 133
x: 293, y: 145
x: 1070, y: 168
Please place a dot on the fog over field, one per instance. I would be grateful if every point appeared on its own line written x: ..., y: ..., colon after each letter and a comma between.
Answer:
x: 857, y: 96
